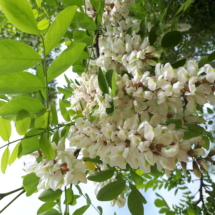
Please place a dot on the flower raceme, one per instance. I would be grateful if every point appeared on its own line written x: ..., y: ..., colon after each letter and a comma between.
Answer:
x: 154, y: 105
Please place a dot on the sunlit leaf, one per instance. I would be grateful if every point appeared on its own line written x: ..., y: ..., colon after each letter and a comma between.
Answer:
x: 30, y: 183
x: 20, y: 14
x: 14, y: 154
x: 20, y: 82
x: 59, y: 28
x: 15, y: 105
x: 50, y: 195
x: 43, y: 24
x: 16, y: 56
x: 5, y: 160
x: 5, y: 129
x: 65, y: 60
x: 46, y: 148
x: 23, y: 121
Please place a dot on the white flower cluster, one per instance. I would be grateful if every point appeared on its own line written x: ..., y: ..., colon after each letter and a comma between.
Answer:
x: 138, y: 133
x: 64, y: 169
x: 119, y: 44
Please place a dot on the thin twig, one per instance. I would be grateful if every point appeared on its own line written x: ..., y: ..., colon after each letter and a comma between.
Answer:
x: 2, y: 195
x: 12, y: 201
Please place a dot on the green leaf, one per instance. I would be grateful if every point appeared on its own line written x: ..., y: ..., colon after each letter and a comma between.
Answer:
x: 20, y: 14
x: 210, y: 111
x: 42, y: 119
x: 211, y: 56
x: 56, y: 137
x: 50, y: 195
x: 190, y: 211
x: 160, y: 203
x: 20, y: 82
x: 136, y: 178
x: 194, y: 131
x: 203, y: 61
x: 111, y: 80
x: 43, y: 24
x: 67, y: 93
x: 207, y: 142
x: 179, y: 63
x: 14, y: 154
x: 23, y: 122
x: 64, y: 111
x: 109, y: 75
x: 171, y: 39
x: 85, y: 22
x: 38, y: 2
x: 152, y: 35
x: 94, y: 160
x: 5, y: 129
x: 177, y: 122
x: 54, y: 114
x: 69, y: 196
x: 16, y: 56
x: 45, y: 207
x: 2, y: 103
x: 30, y: 183
x: 97, y: 5
x: 81, y: 210
x: 58, y: 28
x: 30, y: 143
x: 103, y: 85
x: 100, y: 210
x: 73, y: 2
x: 134, y: 204
x: 138, y: 193
x: 5, y: 160
x: 15, y: 105
x: 81, y: 36
x: 65, y: 60
x: 101, y: 176
x: 174, y: 24
x: 46, y: 148
x: 163, y: 210
x: 111, y: 111
x: 111, y: 191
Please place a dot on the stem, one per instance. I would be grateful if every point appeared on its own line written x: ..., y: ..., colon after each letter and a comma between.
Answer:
x: 59, y: 126
x: 2, y: 195
x: 46, y: 83
x: 12, y: 201
x: 66, y: 209
x: 201, y: 194
x: 91, y: 204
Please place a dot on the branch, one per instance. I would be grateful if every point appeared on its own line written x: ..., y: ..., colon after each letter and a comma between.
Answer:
x: 12, y: 201
x: 59, y: 126
x: 2, y: 195
x: 200, y: 194
x: 96, y: 45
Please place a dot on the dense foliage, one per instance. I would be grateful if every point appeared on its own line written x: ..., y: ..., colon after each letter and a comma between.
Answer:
x: 134, y: 114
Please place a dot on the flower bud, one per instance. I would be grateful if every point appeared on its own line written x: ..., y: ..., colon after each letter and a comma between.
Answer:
x: 184, y: 168
x: 211, y: 153
x: 196, y: 171
x: 203, y: 164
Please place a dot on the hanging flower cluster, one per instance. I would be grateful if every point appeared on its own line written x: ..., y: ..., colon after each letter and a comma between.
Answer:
x: 141, y: 117
x: 143, y: 102
x: 64, y: 169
